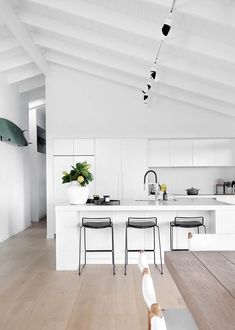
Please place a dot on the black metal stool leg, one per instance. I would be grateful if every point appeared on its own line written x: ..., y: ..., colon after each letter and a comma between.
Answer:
x: 154, y: 247
x: 204, y: 228
x: 171, y: 237
x: 80, y: 247
x: 126, y: 252
x: 113, y: 251
x: 198, y: 230
x: 160, y: 248
x: 84, y: 246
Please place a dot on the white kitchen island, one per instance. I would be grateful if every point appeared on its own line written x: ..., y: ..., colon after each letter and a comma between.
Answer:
x: 219, y: 218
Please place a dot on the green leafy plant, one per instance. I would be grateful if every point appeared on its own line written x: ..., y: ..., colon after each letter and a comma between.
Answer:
x: 79, y: 173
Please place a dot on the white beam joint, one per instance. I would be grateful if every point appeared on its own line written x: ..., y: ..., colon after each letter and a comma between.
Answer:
x: 8, y: 16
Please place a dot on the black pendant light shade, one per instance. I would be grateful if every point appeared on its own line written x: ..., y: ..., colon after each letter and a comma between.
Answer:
x: 167, y: 25
x: 153, y: 72
x: 165, y: 29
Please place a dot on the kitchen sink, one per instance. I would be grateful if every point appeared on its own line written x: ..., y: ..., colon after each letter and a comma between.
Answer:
x: 153, y: 200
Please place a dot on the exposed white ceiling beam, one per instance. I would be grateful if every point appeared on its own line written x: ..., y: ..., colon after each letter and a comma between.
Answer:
x: 8, y: 44
x: 215, y: 70
x: 22, y: 73
x: 14, y: 62
x: 178, y: 40
x: 9, y: 17
x: 201, y: 86
x: 167, y: 72
x: 144, y: 27
x: 195, y: 98
x: 136, y: 82
x: 118, y: 63
x: 72, y: 33
x: 102, y: 15
x: 207, y: 9
x: 32, y: 83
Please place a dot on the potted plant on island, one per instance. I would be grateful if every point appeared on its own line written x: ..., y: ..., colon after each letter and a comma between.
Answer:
x: 79, y: 178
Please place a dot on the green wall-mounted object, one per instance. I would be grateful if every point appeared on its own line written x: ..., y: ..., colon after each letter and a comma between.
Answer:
x: 9, y: 132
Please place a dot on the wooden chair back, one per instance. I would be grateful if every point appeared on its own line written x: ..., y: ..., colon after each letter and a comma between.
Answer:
x: 156, y: 320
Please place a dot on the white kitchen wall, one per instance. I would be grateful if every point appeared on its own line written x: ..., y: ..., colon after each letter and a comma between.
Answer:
x: 84, y: 106
x: 203, y: 178
x: 15, y: 212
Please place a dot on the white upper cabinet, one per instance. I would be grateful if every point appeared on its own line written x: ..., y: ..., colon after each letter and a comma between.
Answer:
x: 134, y: 166
x: 204, y: 152
x: 62, y: 147
x: 224, y: 152
x: 83, y: 147
x: 159, y: 153
x: 181, y: 153
x: 108, y: 167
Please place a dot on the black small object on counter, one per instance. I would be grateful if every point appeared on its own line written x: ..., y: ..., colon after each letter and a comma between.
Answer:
x: 165, y: 196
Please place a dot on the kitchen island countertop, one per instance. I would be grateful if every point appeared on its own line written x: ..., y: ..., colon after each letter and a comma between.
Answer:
x: 128, y: 205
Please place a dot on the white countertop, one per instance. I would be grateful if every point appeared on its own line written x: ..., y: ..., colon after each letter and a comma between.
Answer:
x: 209, y: 204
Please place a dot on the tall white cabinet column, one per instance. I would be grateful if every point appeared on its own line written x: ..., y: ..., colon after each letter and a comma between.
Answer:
x: 134, y: 166
x: 108, y: 167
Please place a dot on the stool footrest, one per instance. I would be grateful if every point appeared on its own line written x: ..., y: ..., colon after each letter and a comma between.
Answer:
x: 148, y: 250
x: 99, y: 251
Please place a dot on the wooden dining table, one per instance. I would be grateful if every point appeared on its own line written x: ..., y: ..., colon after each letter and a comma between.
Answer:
x: 206, y: 281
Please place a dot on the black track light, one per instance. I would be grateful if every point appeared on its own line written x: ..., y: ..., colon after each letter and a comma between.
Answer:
x: 167, y: 25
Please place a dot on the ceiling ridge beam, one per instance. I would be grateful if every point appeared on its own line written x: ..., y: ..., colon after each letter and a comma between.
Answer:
x: 9, y: 17
x: 22, y: 73
x: 15, y: 62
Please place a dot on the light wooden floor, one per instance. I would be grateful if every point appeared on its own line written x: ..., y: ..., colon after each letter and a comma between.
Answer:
x: 34, y: 296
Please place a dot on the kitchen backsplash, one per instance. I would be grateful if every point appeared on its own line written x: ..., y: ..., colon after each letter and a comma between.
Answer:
x: 202, y: 178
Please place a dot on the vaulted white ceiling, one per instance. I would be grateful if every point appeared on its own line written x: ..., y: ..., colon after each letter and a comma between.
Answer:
x: 118, y: 40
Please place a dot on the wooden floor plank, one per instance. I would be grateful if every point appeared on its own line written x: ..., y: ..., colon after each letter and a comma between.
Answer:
x: 34, y: 296
x: 230, y: 255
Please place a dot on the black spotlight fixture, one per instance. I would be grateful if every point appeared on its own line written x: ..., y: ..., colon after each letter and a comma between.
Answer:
x: 153, y: 72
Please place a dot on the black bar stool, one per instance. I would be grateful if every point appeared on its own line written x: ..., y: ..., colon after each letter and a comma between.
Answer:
x: 94, y: 223
x: 185, y: 222
x: 144, y: 223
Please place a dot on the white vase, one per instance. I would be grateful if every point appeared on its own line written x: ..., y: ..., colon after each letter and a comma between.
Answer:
x: 77, y: 194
